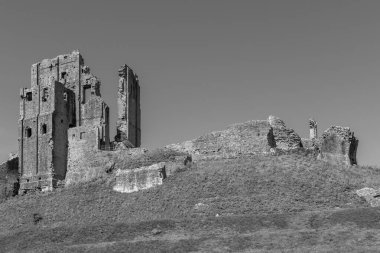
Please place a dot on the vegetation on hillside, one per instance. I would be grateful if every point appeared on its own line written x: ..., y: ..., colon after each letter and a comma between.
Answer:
x: 231, y: 204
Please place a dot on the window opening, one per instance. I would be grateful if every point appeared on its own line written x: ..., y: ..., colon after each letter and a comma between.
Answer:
x: 28, y: 132
x: 86, y: 94
x: 29, y: 96
x: 63, y: 75
x: 45, y: 94
x: 44, y: 129
x: 82, y: 135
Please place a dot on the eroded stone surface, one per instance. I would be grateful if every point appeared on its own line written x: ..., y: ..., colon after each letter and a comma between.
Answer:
x: 142, y: 178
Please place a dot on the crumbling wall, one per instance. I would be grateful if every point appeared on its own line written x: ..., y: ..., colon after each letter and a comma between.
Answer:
x: 9, y: 184
x: 128, y: 126
x: 246, y: 138
x: 338, y: 145
x: 286, y: 138
x: 84, y: 159
x: 249, y: 138
x: 128, y: 181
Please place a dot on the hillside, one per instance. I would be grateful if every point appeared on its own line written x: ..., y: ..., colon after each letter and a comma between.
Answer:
x: 248, y: 203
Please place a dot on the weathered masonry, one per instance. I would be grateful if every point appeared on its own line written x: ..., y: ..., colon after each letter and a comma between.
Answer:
x: 129, y: 120
x: 64, y: 110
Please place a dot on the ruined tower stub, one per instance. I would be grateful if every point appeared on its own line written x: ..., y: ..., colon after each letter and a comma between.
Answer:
x: 313, y: 129
x: 129, y: 112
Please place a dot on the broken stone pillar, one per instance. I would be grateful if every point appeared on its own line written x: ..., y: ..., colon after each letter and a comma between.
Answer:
x: 313, y: 129
x: 129, y: 112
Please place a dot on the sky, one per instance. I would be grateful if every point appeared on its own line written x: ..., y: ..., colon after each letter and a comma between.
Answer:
x: 206, y: 64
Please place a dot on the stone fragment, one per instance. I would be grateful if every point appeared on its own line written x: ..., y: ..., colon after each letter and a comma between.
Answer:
x: 142, y: 178
x: 156, y: 231
x: 371, y: 195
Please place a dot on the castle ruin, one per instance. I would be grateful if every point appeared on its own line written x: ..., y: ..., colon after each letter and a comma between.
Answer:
x: 62, y: 111
x: 64, y: 134
x: 336, y: 145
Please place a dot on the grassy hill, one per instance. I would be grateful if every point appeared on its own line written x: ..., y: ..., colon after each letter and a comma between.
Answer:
x: 279, y: 203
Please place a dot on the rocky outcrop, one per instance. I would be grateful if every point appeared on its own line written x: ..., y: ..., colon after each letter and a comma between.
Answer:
x: 338, y: 145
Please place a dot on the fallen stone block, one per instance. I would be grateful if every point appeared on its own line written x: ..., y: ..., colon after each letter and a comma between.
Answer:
x: 142, y: 178
x: 371, y: 195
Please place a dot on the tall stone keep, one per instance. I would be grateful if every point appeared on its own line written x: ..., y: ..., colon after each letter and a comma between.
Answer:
x: 43, y: 124
x: 61, y: 111
x: 129, y: 112
x: 313, y: 129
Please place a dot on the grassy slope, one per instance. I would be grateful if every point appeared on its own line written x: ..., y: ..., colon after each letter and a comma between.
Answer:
x: 264, y: 203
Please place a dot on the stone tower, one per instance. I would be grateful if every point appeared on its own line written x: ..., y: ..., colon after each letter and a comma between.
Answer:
x: 313, y: 129
x: 129, y: 112
x: 43, y: 124
x: 63, y: 104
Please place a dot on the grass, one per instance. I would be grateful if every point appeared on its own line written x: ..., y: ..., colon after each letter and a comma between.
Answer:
x: 263, y: 203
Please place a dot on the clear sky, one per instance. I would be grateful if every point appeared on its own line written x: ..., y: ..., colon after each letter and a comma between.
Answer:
x: 205, y: 64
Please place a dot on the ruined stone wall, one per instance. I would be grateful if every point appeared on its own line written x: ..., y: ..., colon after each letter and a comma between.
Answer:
x: 60, y: 127
x: 70, y: 69
x: 339, y: 145
x: 252, y: 137
x: 129, y: 112
x: 249, y: 138
x: 9, y: 177
x: 285, y: 138
x: 85, y: 160
x: 65, y: 69
x: 96, y: 113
